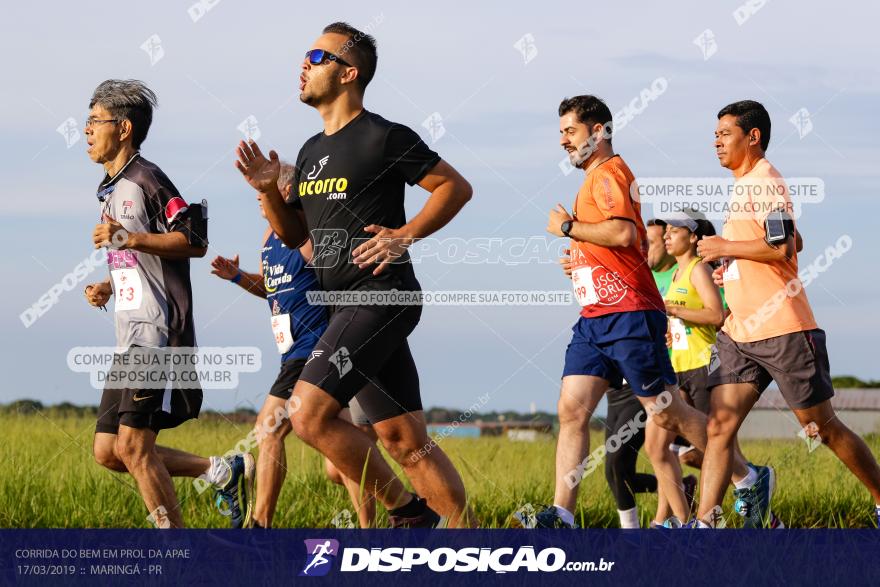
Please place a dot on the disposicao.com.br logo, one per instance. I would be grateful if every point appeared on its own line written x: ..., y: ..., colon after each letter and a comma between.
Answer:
x: 321, y: 553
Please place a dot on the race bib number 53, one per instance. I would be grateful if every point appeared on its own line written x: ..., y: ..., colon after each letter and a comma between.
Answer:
x: 128, y: 289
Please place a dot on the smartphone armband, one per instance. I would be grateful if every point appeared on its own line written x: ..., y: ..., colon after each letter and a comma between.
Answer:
x: 778, y: 226
x: 196, y: 224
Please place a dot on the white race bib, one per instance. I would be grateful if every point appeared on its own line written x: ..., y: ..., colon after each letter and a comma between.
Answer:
x: 127, y: 288
x: 679, y: 334
x: 731, y: 269
x: 281, y: 330
x: 582, y: 282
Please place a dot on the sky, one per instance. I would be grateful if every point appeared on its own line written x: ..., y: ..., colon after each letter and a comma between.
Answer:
x: 492, y: 75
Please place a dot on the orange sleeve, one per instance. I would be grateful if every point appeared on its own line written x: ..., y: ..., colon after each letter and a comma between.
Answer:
x: 610, y: 191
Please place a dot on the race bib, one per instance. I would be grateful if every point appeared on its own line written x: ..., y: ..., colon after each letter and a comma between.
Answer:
x: 127, y: 288
x: 731, y: 269
x: 679, y: 334
x: 582, y: 282
x: 281, y: 330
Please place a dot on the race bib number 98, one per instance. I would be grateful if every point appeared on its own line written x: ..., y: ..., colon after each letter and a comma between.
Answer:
x: 281, y: 331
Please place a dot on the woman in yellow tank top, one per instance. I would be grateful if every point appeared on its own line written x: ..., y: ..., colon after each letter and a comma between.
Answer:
x: 695, y: 310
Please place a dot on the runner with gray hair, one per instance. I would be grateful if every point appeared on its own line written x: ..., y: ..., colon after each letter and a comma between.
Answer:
x: 144, y: 224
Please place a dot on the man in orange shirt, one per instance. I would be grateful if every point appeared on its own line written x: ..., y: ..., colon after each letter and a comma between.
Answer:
x: 621, y: 333
x: 770, y: 334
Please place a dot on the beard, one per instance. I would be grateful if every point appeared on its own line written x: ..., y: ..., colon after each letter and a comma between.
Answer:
x: 319, y: 94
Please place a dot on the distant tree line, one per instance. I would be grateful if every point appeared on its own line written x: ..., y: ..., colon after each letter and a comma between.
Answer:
x: 432, y: 415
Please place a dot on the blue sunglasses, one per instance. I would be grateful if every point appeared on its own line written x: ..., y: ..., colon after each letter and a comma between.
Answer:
x: 319, y: 56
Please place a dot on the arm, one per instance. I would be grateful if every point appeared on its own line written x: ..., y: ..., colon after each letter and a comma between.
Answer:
x: 449, y: 193
x: 252, y: 283
x: 614, y: 232
x: 712, y: 312
x: 712, y: 248
x: 262, y: 175
x: 169, y: 245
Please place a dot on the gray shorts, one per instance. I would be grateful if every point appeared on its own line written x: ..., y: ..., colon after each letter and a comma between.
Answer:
x: 695, y: 383
x: 372, y: 405
x: 797, y: 362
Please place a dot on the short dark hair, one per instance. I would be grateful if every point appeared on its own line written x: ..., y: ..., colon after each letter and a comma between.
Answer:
x: 128, y: 99
x: 656, y: 222
x: 361, y: 46
x: 704, y: 228
x: 589, y: 110
x: 750, y: 114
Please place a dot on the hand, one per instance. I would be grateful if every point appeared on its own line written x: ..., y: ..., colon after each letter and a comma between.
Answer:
x: 225, y: 268
x: 672, y: 309
x: 718, y: 276
x: 668, y: 339
x: 98, y: 294
x: 566, y: 263
x: 261, y: 173
x: 558, y: 215
x: 712, y: 248
x: 110, y: 234
x: 387, y: 245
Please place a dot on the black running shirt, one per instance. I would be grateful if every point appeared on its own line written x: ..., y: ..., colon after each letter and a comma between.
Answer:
x: 351, y: 179
x: 153, y: 295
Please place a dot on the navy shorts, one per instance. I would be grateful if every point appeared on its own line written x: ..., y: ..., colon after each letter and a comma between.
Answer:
x: 623, y: 345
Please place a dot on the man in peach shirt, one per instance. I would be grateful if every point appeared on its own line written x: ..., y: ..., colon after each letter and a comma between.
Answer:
x: 770, y: 334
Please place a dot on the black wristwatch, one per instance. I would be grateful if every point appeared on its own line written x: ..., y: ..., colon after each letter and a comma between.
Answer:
x: 566, y: 227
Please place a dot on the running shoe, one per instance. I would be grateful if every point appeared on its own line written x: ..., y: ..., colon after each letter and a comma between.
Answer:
x: 753, y: 503
x: 235, y: 499
x: 426, y: 518
x: 672, y: 523
x: 546, y: 518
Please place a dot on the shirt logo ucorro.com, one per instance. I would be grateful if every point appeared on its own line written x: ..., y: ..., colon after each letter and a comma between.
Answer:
x: 341, y: 359
x: 316, y: 171
x: 320, y: 554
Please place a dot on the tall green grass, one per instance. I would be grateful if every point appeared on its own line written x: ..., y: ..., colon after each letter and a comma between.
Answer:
x: 50, y: 479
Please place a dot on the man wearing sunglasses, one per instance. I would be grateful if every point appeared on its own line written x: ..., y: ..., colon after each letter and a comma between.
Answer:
x: 349, y: 190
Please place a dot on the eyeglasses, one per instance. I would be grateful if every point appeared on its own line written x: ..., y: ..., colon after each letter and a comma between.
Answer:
x: 93, y: 121
x: 319, y: 56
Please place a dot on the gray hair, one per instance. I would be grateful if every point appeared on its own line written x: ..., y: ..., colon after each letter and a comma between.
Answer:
x: 128, y: 99
x: 285, y: 178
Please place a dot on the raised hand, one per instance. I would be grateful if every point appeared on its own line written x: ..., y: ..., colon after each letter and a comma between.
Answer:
x: 225, y: 268
x: 261, y: 173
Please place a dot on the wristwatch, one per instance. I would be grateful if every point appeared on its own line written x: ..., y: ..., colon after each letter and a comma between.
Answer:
x: 566, y: 227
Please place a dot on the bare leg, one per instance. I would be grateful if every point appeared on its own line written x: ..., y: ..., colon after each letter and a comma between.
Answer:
x: 729, y: 407
x: 426, y: 465
x: 274, y: 423
x: 666, y: 468
x: 363, y: 501
x: 178, y: 462
x: 317, y: 423
x: 849, y: 447
x: 136, y: 448
x: 578, y: 398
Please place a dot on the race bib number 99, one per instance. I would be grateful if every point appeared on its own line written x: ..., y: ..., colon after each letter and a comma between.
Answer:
x: 582, y: 282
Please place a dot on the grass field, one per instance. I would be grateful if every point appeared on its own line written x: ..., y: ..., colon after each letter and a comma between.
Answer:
x: 51, y: 480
